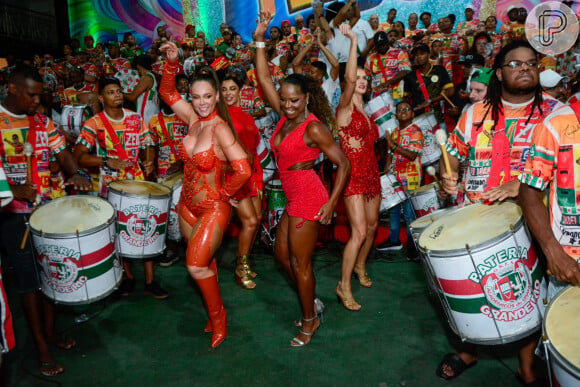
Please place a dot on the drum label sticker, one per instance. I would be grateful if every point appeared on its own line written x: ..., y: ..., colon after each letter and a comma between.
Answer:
x: 506, y: 285
x: 141, y: 225
x: 60, y: 268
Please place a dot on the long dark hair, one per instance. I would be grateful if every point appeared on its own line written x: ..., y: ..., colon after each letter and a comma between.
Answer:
x: 317, y: 103
x: 493, y: 97
x: 208, y: 74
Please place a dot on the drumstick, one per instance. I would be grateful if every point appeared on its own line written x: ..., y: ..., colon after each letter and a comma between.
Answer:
x: 432, y: 172
x: 447, y: 99
x: 28, y: 151
x: 441, y: 137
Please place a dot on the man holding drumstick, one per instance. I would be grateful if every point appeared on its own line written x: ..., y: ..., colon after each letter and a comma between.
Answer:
x: 29, y: 179
x: 494, y: 136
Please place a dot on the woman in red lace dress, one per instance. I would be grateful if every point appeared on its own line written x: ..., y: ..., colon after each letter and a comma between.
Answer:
x: 297, y: 142
x: 207, y: 150
x: 362, y: 194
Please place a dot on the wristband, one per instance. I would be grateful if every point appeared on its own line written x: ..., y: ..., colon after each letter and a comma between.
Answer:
x: 260, y: 45
x: 105, y: 159
x: 394, y: 147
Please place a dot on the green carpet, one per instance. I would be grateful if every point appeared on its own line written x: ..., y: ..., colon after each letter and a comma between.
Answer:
x: 397, y: 339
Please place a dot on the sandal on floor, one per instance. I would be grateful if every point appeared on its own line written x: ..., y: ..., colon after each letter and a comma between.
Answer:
x: 457, y: 365
x: 318, y: 309
x: 65, y: 343
x: 50, y: 369
x: 296, y: 342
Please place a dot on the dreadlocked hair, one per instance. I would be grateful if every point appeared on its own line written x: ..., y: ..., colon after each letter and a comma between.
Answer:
x: 493, y: 98
x: 209, y: 75
x: 317, y: 103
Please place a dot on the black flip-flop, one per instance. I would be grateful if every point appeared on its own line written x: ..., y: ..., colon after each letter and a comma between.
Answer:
x: 457, y: 365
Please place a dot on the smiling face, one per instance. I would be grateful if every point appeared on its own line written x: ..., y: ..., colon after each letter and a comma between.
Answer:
x: 204, y: 98
x: 362, y: 82
x: 230, y: 92
x: 292, y: 100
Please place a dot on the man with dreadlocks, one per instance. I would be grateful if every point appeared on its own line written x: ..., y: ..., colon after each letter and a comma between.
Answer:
x: 494, y: 137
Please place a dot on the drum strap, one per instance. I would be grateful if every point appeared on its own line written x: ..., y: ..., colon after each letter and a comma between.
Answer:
x: 423, y: 88
x: 114, y: 138
x: 35, y: 125
x: 382, y: 68
x: 168, y: 140
x: 500, y: 154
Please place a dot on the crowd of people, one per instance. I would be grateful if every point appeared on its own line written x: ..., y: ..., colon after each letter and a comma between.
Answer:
x: 304, y: 90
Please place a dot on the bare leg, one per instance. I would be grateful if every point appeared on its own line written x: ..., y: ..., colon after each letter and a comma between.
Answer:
x: 282, y: 247
x: 527, y: 358
x: 250, y: 218
x: 302, y: 242
x: 372, y: 217
x: 149, y: 271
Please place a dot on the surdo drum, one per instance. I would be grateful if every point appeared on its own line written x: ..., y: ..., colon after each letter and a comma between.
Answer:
x: 175, y: 183
x: 486, y: 271
x: 74, y: 241
x: 381, y: 109
x: 73, y: 117
x: 142, y: 209
x: 428, y: 124
x: 425, y: 200
x: 392, y: 193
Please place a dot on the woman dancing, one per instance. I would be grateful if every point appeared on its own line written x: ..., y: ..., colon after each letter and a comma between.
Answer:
x: 362, y: 199
x: 203, y: 208
x: 296, y: 143
x: 249, y: 197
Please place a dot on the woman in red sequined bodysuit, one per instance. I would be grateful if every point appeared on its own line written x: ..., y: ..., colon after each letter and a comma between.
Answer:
x: 362, y: 194
x: 206, y: 151
x: 297, y: 141
x: 249, y: 197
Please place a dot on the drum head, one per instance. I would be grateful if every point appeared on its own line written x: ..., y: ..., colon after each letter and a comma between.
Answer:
x: 426, y: 220
x: 143, y: 188
x: 425, y: 188
x: 471, y: 225
x: 561, y: 324
x: 71, y: 214
x: 173, y: 180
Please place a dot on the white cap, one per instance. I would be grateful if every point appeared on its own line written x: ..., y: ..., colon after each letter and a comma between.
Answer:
x: 510, y: 8
x: 550, y: 78
x: 469, y: 6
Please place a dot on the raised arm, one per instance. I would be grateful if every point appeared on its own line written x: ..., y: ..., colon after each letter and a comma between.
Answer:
x: 356, y: 14
x: 334, y: 65
x: 321, y: 21
x: 318, y: 134
x: 298, y: 61
x: 341, y: 15
x: 350, y: 72
x: 167, y: 90
x: 262, y: 69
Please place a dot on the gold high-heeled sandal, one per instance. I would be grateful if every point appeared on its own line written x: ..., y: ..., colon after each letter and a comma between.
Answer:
x: 244, y: 273
x: 363, y: 277
x: 348, y: 302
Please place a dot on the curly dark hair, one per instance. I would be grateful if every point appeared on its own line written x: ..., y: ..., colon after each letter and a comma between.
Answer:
x: 317, y: 103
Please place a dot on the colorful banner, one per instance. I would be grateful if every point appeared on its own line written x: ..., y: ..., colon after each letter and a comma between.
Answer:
x: 109, y: 20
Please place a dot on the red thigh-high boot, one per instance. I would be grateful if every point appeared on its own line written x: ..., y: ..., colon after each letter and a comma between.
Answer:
x: 212, y: 267
x: 215, y: 308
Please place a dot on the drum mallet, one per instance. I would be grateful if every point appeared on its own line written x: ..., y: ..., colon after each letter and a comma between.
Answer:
x: 447, y: 99
x: 28, y: 151
x: 432, y: 172
x: 441, y: 137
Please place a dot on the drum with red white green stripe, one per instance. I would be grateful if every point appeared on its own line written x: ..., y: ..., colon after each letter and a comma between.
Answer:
x: 74, y: 241
x: 486, y: 271
x: 73, y: 117
x: 142, y: 209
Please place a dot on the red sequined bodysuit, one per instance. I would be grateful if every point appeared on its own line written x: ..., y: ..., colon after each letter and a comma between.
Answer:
x: 357, y: 142
x: 303, y: 188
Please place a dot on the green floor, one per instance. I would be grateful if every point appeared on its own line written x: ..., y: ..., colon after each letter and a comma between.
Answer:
x: 397, y: 339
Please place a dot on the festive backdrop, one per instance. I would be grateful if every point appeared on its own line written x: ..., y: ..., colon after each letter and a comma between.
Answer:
x: 110, y: 19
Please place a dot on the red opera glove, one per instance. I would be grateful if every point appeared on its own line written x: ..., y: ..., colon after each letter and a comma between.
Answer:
x: 167, y: 88
x: 235, y: 181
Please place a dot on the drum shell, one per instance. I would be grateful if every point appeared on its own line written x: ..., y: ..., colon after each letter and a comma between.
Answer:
x: 431, y: 150
x: 565, y: 373
x: 73, y: 117
x: 173, y: 230
x: 135, y: 211
x: 425, y: 200
x: 475, y: 315
x: 381, y: 110
x: 78, y: 268
x: 392, y: 193
x: 266, y: 160
x: 128, y: 78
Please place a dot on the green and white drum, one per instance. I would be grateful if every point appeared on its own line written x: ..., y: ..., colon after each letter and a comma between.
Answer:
x: 73, y: 117
x: 276, y: 203
x: 486, y: 271
x: 74, y: 241
x: 561, y: 338
x: 142, y: 208
x: 175, y: 183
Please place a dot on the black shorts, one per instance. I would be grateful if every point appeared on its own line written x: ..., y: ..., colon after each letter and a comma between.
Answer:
x: 22, y: 263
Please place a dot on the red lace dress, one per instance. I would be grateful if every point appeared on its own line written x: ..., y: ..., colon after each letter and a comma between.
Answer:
x: 357, y: 142
x: 303, y: 189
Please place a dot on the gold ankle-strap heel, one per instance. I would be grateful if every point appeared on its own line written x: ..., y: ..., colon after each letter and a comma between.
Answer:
x: 244, y: 273
x: 363, y: 277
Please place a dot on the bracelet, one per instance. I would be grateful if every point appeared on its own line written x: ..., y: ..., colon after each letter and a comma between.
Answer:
x: 260, y: 45
x: 394, y: 147
x: 81, y: 172
x: 105, y: 159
